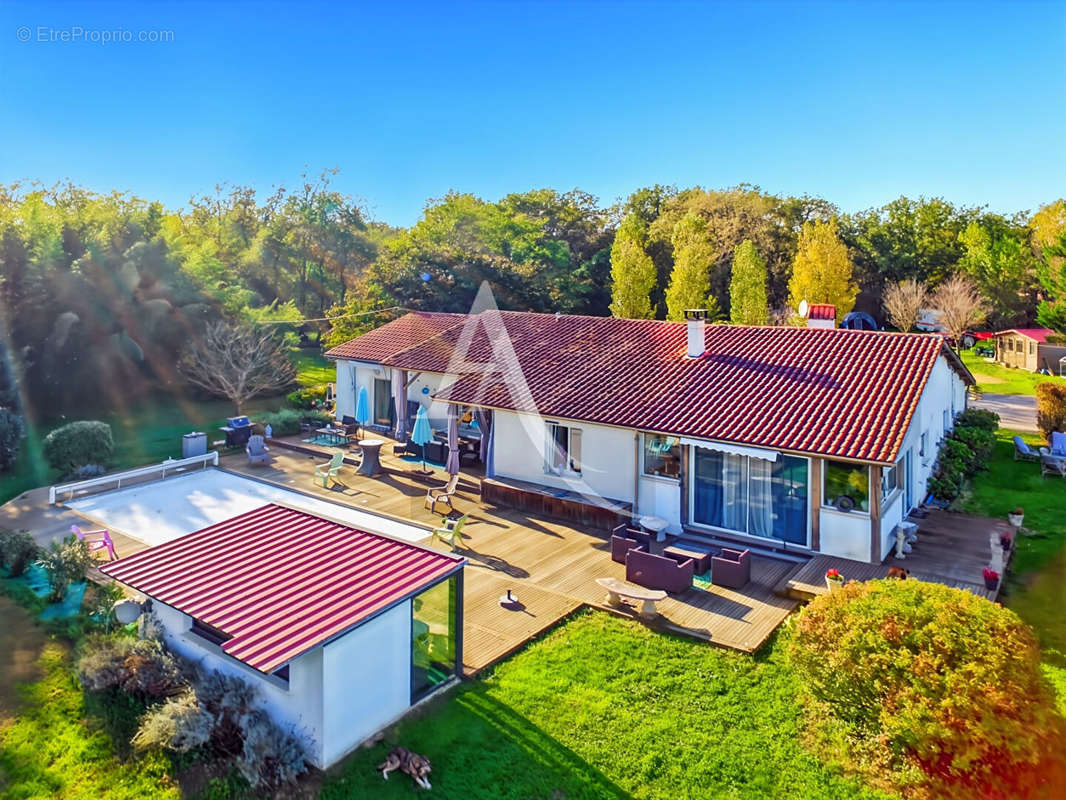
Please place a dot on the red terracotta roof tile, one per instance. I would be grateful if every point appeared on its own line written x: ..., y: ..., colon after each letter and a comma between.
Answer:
x: 822, y: 311
x: 838, y: 393
x: 280, y: 581
x: 410, y: 330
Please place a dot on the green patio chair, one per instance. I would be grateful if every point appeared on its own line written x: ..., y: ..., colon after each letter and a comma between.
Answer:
x: 328, y: 472
x: 450, y: 531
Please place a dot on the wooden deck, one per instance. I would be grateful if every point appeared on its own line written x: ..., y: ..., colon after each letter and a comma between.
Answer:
x: 550, y: 564
x: 951, y: 549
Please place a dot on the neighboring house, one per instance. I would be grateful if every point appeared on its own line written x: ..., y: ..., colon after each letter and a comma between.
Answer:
x: 340, y: 630
x: 799, y: 439
x: 1029, y: 349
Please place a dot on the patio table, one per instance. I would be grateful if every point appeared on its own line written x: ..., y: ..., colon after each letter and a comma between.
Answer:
x: 371, y: 464
x: 334, y: 435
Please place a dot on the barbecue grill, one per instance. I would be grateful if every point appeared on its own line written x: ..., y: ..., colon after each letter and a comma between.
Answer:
x: 237, y: 430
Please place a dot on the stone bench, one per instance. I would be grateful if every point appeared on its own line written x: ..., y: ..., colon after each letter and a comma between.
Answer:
x: 617, y: 589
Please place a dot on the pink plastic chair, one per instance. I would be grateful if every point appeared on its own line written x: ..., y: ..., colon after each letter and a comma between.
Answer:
x: 101, y: 540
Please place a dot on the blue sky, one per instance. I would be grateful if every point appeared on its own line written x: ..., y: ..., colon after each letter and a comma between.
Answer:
x: 856, y: 102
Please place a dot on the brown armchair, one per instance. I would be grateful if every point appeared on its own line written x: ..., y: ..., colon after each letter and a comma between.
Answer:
x: 731, y: 568
x: 658, y: 572
x: 621, y: 545
x: 626, y: 532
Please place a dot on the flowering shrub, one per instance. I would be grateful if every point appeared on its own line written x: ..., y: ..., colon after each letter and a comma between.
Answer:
x: 937, y: 692
x: 834, y: 575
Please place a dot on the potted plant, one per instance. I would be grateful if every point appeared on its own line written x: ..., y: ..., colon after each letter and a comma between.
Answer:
x: 833, y: 580
x: 991, y: 578
x: 1016, y: 516
x: 1005, y: 541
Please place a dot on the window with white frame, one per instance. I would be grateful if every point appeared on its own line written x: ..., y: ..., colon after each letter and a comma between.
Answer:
x: 563, y: 451
x: 891, y: 480
x: 923, y: 450
x: 662, y: 456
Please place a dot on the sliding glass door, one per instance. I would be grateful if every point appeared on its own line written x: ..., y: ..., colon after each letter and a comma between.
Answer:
x: 751, y: 495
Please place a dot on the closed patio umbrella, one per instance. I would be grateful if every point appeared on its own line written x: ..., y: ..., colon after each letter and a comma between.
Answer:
x: 362, y: 408
x: 399, y: 399
x: 422, y: 433
x: 453, y: 440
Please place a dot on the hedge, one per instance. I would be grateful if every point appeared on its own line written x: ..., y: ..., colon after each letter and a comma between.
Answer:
x: 78, y: 444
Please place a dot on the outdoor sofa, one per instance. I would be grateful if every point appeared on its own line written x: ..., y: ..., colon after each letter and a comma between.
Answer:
x: 658, y: 572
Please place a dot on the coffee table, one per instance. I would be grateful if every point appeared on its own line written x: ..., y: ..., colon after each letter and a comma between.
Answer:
x: 701, y: 556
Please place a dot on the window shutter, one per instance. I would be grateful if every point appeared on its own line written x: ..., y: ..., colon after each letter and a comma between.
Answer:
x: 575, y: 449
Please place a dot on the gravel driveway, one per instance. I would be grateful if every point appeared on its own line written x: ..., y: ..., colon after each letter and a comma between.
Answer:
x: 1016, y: 411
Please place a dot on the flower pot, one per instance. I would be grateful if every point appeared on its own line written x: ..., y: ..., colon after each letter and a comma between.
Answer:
x: 832, y: 584
x: 1015, y: 519
x: 991, y: 583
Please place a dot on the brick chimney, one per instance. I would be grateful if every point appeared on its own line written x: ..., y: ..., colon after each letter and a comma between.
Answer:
x: 695, y: 319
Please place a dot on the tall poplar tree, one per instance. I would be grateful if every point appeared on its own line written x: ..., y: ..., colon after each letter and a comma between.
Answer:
x: 747, y: 286
x: 690, y: 280
x: 632, y: 272
x: 822, y: 270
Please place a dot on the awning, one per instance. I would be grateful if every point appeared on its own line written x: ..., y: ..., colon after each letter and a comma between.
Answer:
x: 735, y: 449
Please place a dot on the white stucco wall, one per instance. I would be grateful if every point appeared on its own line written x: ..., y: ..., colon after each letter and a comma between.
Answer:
x: 298, y: 707
x: 844, y: 534
x: 607, y: 456
x: 354, y: 375
x: 367, y: 680
x: 660, y: 497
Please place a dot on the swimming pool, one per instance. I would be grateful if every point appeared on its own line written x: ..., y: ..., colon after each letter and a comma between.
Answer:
x: 163, y: 510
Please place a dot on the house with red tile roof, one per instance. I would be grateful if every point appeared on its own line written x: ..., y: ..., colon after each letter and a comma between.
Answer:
x: 339, y: 630
x: 1029, y: 349
x: 789, y: 439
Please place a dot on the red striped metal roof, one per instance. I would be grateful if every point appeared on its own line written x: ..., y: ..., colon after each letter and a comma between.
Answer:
x: 837, y: 393
x: 408, y: 331
x: 1036, y: 334
x: 280, y: 581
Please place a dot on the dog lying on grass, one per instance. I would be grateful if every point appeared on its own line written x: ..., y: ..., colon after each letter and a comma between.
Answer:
x: 418, y: 767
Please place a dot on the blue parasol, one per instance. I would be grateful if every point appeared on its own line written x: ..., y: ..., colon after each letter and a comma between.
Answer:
x: 422, y: 433
x: 362, y: 408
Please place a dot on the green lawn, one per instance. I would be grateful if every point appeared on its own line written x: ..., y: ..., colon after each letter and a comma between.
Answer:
x: 313, y: 368
x: 996, y: 379
x: 1036, y: 585
x: 151, y: 431
x: 57, y: 747
x: 604, y: 708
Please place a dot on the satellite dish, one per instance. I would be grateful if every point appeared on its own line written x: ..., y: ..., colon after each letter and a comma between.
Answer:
x: 803, y: 308
x: 127, y: 611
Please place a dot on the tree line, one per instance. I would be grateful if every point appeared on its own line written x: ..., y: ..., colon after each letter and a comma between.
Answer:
x: 102, y: 293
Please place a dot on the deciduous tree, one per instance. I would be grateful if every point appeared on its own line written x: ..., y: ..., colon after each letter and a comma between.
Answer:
x: 237, y: 361
x: 747, y: 287
x: 960, y: 306
x: 822, y: 270
x: 1000, y: 262
x: 903, y: 302
x: 632, y: 273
